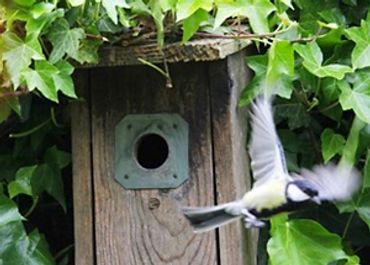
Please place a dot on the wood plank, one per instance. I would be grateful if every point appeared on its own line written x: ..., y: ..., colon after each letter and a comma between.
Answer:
x: 82, y: 174
x: 227, y: 78
x: 128, y: 229
x: 196, y: 50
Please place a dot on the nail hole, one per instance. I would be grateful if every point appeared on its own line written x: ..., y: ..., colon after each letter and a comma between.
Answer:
x: 129, y: 126
x: 174, y: 176
x: 154, y: 203
x: 174, y: 126
x: 126, y: 177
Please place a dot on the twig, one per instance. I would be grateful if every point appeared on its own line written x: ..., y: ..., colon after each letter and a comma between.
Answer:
x: 13, y: 94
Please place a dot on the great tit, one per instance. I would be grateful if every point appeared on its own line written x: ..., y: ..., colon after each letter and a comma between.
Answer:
x: 275, y: 190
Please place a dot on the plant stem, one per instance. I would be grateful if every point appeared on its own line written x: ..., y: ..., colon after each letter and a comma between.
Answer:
x: 349, y: 151
x: 345, y: 231
x: 30, y: 210
x: 30, y: 131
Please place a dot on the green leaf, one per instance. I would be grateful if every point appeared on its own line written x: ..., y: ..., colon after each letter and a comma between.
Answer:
x: 64, y: 40
x: 358, y: 97
x: 361, y: 52
x: 256, y: 11
x: 76, y: 2
x: 295, y: 113
x: 8, y: 212
x: 18, y: 55
x: 185, y: 8
x: 63, y: 81
x: 111, y: 8
x: 258, y: 64
x: 288, y: 3
x: 43, y: 16
x: 313, y: 58
x: 16, y: 247
x: 42, y: 79
x: 280, y: 69
x: 57, y: 158
x: 88, y: 51
x: 5, y: 110
x: 22, y: 182
x: 331, y: 144
x: 49, y: 179
x: 49, y: 79
x: 38, y: 250
x: 191, y: 24
x: 303, y: 242
x: 329, y: 89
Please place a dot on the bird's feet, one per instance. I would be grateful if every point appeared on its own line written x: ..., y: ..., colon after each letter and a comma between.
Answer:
x: 251, y: 221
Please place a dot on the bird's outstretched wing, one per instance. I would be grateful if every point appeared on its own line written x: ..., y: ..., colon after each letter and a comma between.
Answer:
x: 265, y: 149
x: 333, y: 182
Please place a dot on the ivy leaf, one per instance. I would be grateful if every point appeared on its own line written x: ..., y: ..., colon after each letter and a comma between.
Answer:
x: 8, y: 212
x: 288, y: 3
x: 57, y: 158
x: 358, y: 97
x: 49, y: 79
x: 258, y: 64
x: 49, y: 179
x: 331, y: 144
x: 313, y: 58
x: 38, y: 250
x: 88, y: 51
x: 256, y: 11
x: 111, y: 5
x: 185, y: 8
x: 64, y: 40
x: 295, y: 113
x: 63, y: 80
x: 301, y: 242
x: 361, y: 52
x: 42, y: 17
x: 16, y: 246
x: 42, y: 79
x: 18, y: 55
x: 22, y: 182
x: 76, y: 2
x: 280, y: 69
x: 329, y: 89
x: 191, y: 24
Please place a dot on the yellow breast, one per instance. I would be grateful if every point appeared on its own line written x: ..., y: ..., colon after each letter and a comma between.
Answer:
x: 269, y: 195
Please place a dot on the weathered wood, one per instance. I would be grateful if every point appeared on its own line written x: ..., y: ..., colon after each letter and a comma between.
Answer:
x: 197, y: 50
x: 82, y: 175
x: 129, y: 228
x: 227, y: 78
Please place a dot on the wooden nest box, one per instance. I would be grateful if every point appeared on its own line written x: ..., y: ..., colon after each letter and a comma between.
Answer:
x: 142, y: 150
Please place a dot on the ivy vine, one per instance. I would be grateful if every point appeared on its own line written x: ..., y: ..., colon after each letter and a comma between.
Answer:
x: 315, y: 55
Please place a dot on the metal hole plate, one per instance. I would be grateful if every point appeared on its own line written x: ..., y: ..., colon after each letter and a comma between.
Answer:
x: 173, y: 172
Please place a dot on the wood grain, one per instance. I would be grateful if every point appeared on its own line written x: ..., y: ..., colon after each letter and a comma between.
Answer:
x: 82, y: 174
x: 196, y: 50
x: 127, y: 230
x: 228, y: 78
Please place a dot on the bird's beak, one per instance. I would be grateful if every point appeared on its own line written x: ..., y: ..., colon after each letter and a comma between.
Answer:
x: 316, y: 199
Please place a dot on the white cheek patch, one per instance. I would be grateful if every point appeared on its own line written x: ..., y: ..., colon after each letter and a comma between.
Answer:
x: 296, y: 194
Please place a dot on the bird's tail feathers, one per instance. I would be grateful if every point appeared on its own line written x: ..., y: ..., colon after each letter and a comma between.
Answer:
x: 207, y: 218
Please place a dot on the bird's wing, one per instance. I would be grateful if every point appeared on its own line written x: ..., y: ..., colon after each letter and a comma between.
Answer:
x: 265, y: 149
x: 333, y: 182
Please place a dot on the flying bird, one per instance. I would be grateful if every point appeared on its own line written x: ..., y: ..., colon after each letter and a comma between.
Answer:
x: 275, y: 190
